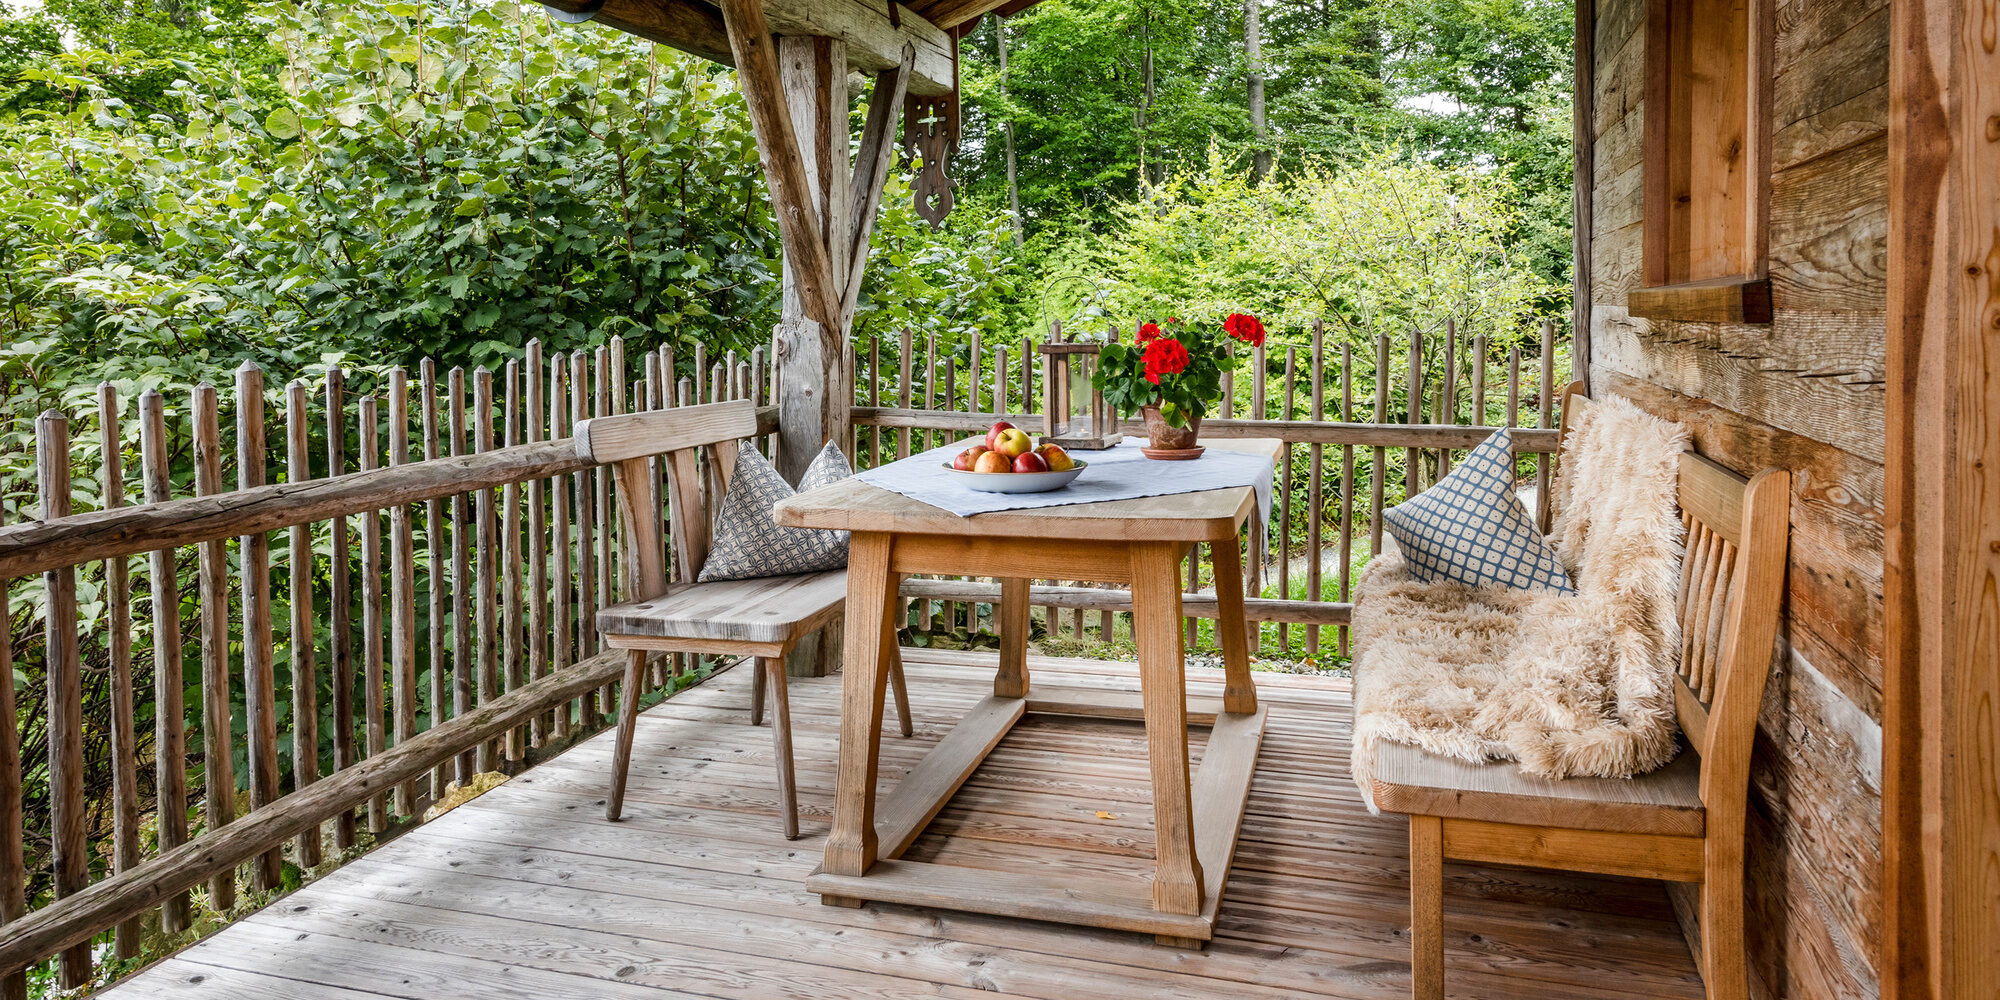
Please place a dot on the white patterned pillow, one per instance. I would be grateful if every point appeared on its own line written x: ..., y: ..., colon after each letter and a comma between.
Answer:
x: 748, y: 543
x: 1470, y: 527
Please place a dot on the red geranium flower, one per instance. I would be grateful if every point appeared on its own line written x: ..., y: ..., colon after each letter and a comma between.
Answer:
x: 1164, y: 356
x: 1149, y: 333
x: 1244, y: 327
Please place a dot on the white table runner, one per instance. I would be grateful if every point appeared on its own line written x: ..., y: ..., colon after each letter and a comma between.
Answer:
x: 1120, y: 473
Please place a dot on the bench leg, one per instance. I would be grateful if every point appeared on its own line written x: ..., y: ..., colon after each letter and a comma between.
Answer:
x: 781, y: 742
x: 757, y: 695
x: 1426, y: 908
x: 1723, y: 971
x: 628, y: 723
x: 900, y: 686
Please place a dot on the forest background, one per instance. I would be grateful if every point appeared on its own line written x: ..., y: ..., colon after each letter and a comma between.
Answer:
x: 187, y: 184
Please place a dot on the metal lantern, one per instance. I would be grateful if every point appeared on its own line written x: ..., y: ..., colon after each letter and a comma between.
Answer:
x: 1076, y: 414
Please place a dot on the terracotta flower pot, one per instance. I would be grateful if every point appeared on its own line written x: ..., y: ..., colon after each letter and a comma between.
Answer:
x: 1165, y: 441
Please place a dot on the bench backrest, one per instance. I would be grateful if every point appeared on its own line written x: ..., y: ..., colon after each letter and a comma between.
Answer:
x: 1732, y: 583
x: 629, y: 443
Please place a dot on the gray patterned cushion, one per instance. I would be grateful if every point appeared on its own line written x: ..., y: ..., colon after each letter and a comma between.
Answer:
x: 749, y: 544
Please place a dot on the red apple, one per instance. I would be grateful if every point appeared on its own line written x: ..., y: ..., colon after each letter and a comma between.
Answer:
x: 1012, y: 442
x: 1030, y: 462
x: 993, y: 433
x: 966, y: 458
x: 992, y: 461
x: 1056, y: 457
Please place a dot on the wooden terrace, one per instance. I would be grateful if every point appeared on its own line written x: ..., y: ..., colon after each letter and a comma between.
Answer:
x: 527, y: 891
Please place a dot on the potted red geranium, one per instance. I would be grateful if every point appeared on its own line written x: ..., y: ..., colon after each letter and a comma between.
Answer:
x: 1173, y: 377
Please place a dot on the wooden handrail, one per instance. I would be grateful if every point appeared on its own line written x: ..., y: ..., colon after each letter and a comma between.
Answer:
x: 1527, y: 440
x: 76, y: 918
x: 37, y: 546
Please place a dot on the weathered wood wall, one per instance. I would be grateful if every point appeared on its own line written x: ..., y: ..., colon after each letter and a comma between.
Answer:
x: 1804, y: 392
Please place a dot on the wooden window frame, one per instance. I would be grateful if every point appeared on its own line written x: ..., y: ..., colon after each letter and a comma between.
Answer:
x: 1738, y: 288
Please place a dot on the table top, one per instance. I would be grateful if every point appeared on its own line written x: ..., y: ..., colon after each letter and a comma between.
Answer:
x: 1210, y: 515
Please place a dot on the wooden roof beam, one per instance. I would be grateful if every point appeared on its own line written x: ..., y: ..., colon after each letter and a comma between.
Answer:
x: 875, y: 42
x: 952, y: 14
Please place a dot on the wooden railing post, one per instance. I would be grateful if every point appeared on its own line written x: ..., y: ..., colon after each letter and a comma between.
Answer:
x: 68, y: 818
x: 260, y: 704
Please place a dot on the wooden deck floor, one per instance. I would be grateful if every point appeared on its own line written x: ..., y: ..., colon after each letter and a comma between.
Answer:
x: 528, y: 893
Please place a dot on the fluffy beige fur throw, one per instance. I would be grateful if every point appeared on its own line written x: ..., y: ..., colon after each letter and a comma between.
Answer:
x: 1567, y: 684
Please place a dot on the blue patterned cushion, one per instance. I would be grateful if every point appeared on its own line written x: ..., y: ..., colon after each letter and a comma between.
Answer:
x: 1471, y: 528
x: 748, y: 543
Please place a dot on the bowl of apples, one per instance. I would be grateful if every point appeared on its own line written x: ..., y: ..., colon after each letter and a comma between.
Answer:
x: 1010, y: 462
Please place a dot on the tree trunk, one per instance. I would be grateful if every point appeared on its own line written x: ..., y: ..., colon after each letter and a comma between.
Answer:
x: 1143, y: 116
x: 1253, y: 50
x: 1007, y: 132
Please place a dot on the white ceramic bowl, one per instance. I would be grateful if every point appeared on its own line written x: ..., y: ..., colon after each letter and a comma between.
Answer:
x: 1017, y: 482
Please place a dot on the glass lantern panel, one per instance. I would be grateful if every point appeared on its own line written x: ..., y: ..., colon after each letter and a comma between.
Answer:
x: 1080, y: 418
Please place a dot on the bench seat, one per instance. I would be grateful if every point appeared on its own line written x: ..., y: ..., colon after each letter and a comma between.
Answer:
x: 774, y: 609
x: 1420, y: 783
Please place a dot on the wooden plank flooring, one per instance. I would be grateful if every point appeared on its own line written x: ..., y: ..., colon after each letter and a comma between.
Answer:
x: 528, y: 893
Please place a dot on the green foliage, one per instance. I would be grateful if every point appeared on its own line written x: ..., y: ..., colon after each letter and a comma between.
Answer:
x: 1385, y: 245
x: 446, y: 182
x: 1108, y: 100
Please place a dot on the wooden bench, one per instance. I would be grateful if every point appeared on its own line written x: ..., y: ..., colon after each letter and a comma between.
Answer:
x: 762, y: 618
x: 1681, y: 823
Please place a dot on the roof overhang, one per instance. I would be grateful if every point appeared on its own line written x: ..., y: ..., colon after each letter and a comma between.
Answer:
x: 875, y: 32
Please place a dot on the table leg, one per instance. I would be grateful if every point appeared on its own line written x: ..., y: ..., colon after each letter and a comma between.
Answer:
x: 1156, y: 618
x: 1239, y: 693
x: 870, y: 636
x: 1012, y: 681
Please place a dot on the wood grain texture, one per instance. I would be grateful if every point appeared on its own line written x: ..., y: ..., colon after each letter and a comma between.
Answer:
x: 13, y: 845
x: 124, y: 731
x: 169, y: 682
x: 1665, y: 801
x: 697, y: 890
x: 766, y: 609
x: 76, y: 919
x: 609, y: 440
x: 63, y: 682
x: 874, y: 39
x: 260, y: 708
x: 36, y: 547
x: 1942, y: 716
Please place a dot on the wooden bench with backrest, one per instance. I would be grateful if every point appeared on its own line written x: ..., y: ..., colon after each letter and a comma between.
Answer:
x: 1683, y: 822
x: 761, y: 618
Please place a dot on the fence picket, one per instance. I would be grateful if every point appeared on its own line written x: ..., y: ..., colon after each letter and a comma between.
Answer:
x: 118, y: 615
x: 340, y: 603
x: 299, y: 630
x: 434, y: 570
x: 485, y: 544
x: 538, y: 542
x: 402, y: 589
x: 68, y: 818
x: 375, y: 738
x: 462, y: 668
x: 259, y: 683
x: 169, y: 710
x: 13, y: 846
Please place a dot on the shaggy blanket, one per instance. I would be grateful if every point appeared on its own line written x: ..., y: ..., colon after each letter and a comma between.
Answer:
x: 1567, y: 684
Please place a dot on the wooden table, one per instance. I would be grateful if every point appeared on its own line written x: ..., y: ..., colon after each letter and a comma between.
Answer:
x: 1140, y: 542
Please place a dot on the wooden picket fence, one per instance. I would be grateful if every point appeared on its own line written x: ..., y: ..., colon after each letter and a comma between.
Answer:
x: 426, y: 612
x: 412, y: 562
x: 1362, y: 428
